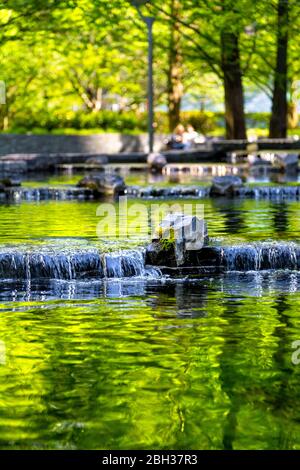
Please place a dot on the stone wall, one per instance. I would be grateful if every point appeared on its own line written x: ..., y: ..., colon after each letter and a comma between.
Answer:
x: 95, y: 144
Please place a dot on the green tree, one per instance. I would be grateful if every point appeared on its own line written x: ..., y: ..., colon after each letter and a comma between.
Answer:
x: 211, y: 35
x: 278, y: 122
x: 175, y: 85
x: 20, y: 17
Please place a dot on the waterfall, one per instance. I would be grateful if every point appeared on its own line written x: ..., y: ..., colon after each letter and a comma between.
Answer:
x: 69, y: 266
x: 201, y: 192
x: 177, y: 192
x: 252, y: 257
x: 41, y: 194
x: 269, y: 192
x: 127, y: 264
x: 85, y: 265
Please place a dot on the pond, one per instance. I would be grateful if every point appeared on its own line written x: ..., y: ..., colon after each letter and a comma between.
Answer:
x: 201, y: 174
x: 149, y: 362
x: 229, y: 220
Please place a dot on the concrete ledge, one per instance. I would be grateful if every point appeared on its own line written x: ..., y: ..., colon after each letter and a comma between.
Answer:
x: 80, y: 144
x: 113, y: 143
x: 41, y: 162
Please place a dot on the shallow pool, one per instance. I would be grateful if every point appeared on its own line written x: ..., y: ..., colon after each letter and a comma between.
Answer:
x: 149, y: 363
x: 230, y: 220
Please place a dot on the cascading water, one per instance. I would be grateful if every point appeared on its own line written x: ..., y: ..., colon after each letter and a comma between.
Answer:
x: 258, y: 256
x: 177, y: 191
x: 269, y: 192
x: 68, y: 266
x: 201, y: 192
x: 127, y: 264
x: 85, y: 264
x: 40, y: 194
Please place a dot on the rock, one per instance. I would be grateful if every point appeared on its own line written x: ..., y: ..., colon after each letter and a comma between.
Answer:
x: 97, y: 160
x: 179, y: 226
x: 225, y: 185
x: 10, y: 182
x: 104, y: 184
x: 160, y: 253
x: 287, y: 161
x: 177, y: 235
x: 156, y: 162
x: 12, y: 167
x: 6, y: 183
x: 208, y: 256
x: 21, y: 163
x: 256, y: 160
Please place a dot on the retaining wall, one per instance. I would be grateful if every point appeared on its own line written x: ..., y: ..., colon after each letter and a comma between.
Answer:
x: 94, y: 144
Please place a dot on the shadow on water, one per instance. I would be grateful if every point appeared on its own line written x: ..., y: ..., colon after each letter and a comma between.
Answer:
x: 280, y: 214
x: 228, y: 379
x: 285, y: 398
x: 232, y: 213
x: 273, y: 386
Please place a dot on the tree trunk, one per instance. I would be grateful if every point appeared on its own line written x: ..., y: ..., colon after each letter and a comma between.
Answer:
x: 98, y: 101
x: 175, y: 87
x: 293, y: 116
x: 278, y: 121
x: 233, y: 86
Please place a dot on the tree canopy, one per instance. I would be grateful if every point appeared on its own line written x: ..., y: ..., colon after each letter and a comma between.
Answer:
x: 75, y: 59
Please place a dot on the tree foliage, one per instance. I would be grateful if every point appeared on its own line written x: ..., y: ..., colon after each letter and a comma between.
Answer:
x: 62, y: 57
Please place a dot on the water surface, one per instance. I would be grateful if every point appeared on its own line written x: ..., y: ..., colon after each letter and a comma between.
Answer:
x: 149, y: 363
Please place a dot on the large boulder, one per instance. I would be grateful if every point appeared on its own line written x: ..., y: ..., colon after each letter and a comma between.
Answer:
x: 104, y: 184
x: 156, y: 162
x: 225, y: 185
x: 161, y: 253
x: 177, y: 236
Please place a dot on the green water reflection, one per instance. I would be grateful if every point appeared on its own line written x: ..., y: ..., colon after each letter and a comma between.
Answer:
x: 167, y: 366
x: 177, y: 367
x: 233, y: 220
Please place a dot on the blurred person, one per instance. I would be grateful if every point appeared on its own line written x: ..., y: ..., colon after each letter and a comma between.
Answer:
x: 178, y: 138
x: 193, y: 137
